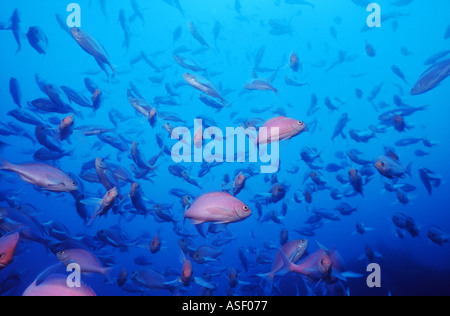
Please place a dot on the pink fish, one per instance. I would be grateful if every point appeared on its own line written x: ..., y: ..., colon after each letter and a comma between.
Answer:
x: 42, y: 175
x: 217, y: 207
x: 293, y: 250
x: 56, y: 285
x: 316, y: 267
x: 8, y: 246
x: 87, y: 261
x: 288, y: 128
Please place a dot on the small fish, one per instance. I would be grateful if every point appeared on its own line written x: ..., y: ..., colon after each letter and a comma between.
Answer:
x: 436, y: 235
x: 88, y: 262
x: 37, y: 39
x: 356, y: 181
x: 15, y: 91
x: 391, y: 168
x: 399, y: 73
x: 196, y: 34
x: 93, y: 48
x: 260, y: 85
x: 15, y: 27
x: 42, y: 175
x: 103, y: 205
x: 371, y: 52
x: 339, y: 129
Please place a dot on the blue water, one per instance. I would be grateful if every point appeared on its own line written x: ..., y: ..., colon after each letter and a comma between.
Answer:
x: 409, y: 266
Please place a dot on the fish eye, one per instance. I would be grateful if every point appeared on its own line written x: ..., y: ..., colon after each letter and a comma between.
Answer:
x: 300, y: 123
x: 2, y: 255
x: 74, y: 184
x: 61, y: 253
x: 245, y: 208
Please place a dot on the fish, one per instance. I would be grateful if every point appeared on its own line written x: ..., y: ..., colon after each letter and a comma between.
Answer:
x: 370, y: 50
x: 8, y: 245
x: 217, y: 207
x: 15, y: 27
x: 152, y: 279
x: 288, y: 128
x: 50, y: 285
x: 204, y: 85
x: 436, y: 57
x: 339, y: 129
x: 114, y: 142
x: 77, y: 97
x: 93, y: 48
x: 196, y: 34
x: 293, y: 250
x: 397, y: 71
x: 436, y: 235
x: 206, y: 253
x: 41, y: 133
x: 432, y: 77
x: 316, y: 267
x: 87, y: 261
x: 44, y: 154
x: 187, y: 63
x: 42, y: 175
x: 37, y: 39
x: 260, y: 85
x: 48, y: 106
x: 356, y: 181
x: 361, y: 137
x: 102, y: 205
x: 14, y: 89
x: 26, y: 117
x: 391, y: 168
x: 65, y: 129
x: 126, y: 29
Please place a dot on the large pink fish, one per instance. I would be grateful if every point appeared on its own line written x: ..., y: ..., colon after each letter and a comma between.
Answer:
x: 217, y: 207
x: 8, y: 246
x: 56, y: 285
x: 288, y: 128
x: 42, y: 175
x: 87, y: 261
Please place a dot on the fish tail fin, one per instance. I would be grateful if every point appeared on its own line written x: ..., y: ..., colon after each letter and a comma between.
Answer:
x: 4, y: 164
x: 107, y: 272
x: 287, y: 264
x: 268, y: 277
x: 408, y: 170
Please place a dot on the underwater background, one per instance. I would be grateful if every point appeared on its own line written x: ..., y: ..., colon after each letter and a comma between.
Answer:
x: 345, y: 66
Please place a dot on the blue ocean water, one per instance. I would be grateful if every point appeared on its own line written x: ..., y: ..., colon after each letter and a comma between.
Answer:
x: 245, y: 39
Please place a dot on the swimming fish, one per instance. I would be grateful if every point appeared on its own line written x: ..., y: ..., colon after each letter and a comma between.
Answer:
x: 217, y: 207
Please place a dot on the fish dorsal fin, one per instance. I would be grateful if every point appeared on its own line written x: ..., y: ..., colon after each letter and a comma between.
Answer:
x: 46, y: 273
